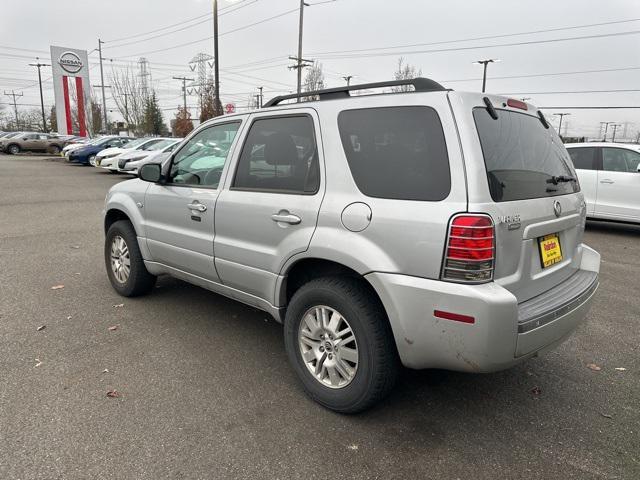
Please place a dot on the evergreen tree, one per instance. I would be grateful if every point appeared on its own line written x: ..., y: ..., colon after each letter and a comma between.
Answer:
x: 153, y: 120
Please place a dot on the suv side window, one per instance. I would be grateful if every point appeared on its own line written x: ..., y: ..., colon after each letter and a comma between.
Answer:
x: 201, y: 160
x: 31, y: 136
x: 280, y: 155
x: 396, y: 152
x: 620, y: 160
x: 583, y: 158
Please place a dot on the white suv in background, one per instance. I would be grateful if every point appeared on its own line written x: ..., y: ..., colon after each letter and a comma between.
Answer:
x: 609, y: 179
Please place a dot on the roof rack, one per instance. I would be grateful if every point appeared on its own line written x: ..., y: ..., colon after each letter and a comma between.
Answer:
x: 420, y: 84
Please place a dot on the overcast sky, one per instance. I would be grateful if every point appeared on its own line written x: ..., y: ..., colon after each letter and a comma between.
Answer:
x: 349, y: 37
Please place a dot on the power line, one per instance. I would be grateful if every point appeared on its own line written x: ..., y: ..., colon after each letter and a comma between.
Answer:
x: 210, y: 37
x: 571, y: 92
x: 476, y: 47
x: 547, y: 30
x: 208, y: 16
x: 550, y: 74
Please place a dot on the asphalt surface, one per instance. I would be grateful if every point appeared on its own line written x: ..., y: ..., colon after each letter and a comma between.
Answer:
x: 205, y: 390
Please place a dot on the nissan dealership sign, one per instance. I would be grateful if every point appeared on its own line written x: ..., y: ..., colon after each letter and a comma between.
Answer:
x: 70, y: 68
x: 70, y: 62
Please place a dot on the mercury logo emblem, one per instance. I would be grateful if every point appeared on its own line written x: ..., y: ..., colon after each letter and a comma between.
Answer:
x: 557, y: 208
x: 70, y: 62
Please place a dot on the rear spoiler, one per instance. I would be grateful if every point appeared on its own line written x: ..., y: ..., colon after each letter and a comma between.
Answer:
x: 512, y: 103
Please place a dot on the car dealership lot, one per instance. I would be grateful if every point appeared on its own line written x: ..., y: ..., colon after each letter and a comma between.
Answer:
x: 205, y: 390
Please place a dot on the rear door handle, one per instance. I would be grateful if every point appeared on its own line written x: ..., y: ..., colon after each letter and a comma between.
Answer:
x: 196, y: 205
x: 606, y: 181
x: 283, y: 216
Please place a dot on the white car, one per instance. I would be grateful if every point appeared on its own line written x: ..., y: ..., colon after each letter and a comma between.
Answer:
x: 107, y: 158
x: 131, y: 162
x: 609, y: 178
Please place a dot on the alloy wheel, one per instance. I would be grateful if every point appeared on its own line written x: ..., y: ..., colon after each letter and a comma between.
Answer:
x: 328, y: 346
x: 120, y: 260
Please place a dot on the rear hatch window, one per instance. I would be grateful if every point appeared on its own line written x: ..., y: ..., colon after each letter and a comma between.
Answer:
x: 523, y: 159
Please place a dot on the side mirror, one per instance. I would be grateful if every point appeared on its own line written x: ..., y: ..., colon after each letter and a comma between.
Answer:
x: 151, y: 172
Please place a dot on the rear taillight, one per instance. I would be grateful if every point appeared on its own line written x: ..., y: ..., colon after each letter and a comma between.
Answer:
x: 470, y: 253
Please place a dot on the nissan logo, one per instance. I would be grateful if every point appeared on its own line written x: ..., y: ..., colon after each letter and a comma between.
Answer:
x: 557, y: 208
x: 70, y: 62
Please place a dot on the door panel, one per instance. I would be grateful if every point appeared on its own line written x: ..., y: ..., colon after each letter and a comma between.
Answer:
x: 619, y: 184
x: 180, y: 213
x: 269, y: 210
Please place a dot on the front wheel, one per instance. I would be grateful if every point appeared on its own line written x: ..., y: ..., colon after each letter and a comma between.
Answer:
x: 13, y: 149
x: 92, y: 160
x: 55, y: 150
x: 125, y: 265
x: 340, y: 344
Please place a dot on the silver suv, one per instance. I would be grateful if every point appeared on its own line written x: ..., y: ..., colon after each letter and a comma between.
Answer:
x: 432, y: 229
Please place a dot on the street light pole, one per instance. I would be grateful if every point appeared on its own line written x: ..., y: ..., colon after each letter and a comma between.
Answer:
x: 561, y: 115
x: 484, y: 64
x: 39, y: 65
x: 347, y: 78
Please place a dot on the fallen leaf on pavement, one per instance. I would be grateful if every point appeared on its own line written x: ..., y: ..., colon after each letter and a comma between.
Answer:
x: 620, y: 369
x: 113, y: 394
x: 57, y: 287
x: 113, y: 328
x: 119, y: 305
x: 352, y: 447
x: 41, y: 327
x: 38, y: 362
x: 594, y: 367
x: 106, y: 370
x: 606, y: 415
x: 68, y: 317
x: 75, y: 246
x: 536, y: 390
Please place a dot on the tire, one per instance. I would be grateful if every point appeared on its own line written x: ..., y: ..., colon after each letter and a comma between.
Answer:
x: 13, y: 149
x: 55, y: 150
x: 92, y: 160
x: 377, y: 364
x: 138, y: 281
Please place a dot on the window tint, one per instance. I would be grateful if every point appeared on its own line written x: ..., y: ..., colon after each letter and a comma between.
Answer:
x: 280, y: 154
x: 523, y: 159
x: 583, y: 158
x: 620, y: 160
x: 396, y: 152
x: 201, y: 160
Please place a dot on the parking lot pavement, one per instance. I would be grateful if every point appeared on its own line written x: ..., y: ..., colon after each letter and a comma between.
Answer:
x: 205, y: 391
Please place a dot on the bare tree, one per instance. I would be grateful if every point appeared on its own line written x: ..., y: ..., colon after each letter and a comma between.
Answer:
x: 128, y: 93
x: 313, y: 80
x: 405, y: 71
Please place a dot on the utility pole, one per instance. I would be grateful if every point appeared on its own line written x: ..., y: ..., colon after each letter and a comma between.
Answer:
x: 104, y: 101
x: 15, y: 105
x: 484, y: 64
x: 184, y: 81
x: 216, y: 73
x: 615, y: 127
x: 261, y: 98
x: 39, y: 65
x: 347, y: 78
x: 105, y: 127
x: 300, y: 62
x: 561, y: 115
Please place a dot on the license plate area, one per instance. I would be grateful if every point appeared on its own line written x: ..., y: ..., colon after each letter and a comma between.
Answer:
x: 550, y: 250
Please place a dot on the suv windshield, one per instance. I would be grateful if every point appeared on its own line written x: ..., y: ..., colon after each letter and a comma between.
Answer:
x: 523, y: 159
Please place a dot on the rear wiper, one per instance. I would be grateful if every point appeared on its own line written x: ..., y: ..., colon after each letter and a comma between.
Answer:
x: 561, y: 179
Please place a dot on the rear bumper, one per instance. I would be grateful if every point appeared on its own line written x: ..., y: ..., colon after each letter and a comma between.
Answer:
x: 504, y: 332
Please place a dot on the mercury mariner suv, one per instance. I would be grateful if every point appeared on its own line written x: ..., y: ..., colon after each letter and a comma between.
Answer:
x: 430, y: 229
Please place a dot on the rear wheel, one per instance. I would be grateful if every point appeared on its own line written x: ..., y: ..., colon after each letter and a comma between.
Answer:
x: 55, y: 150
x: 339, y: 342
x: 125, y: 266
x: 13, y: 149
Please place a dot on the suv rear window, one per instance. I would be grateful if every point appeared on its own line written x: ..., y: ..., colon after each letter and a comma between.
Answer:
x: 396, y: 152
x: 523, y: 159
